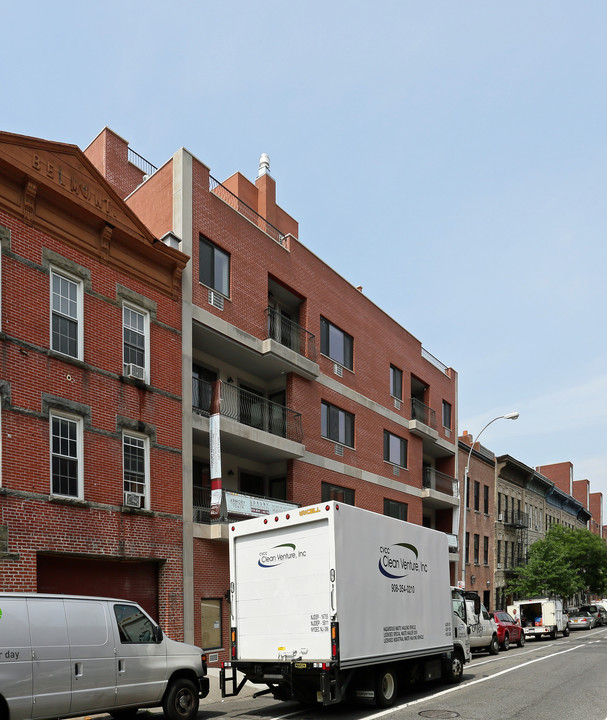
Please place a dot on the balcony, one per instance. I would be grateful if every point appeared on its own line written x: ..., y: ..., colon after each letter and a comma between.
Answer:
x: 517, y: 520
x: 423, y: 424
x: 271, y: 432
x: 234, y: 506
x: 290, y: 335
x: 440, y: 491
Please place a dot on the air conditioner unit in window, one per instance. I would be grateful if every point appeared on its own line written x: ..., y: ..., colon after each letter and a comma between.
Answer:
x: 500, y: 517
x: 499, y: 566
x: 132, y: 499
x: 134, y: 371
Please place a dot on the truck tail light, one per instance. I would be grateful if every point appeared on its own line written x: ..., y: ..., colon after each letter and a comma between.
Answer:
x: 233, y: 642
x: 334, y: 641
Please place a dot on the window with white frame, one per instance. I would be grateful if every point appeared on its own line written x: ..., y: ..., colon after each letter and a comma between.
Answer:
x: 135, y: 470
x: 66, y: 315
x: 66, y: 455
x: 135, y: 342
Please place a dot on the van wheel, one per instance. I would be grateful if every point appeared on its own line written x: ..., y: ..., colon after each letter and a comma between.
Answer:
x: 453, y: 668
x: 180, y: 701
x: 385, y: 687
x: 494, y: 647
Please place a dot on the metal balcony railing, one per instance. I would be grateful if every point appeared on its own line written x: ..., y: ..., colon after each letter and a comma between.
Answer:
x: 228, y: 197
x: 436, y: 480
x: 235, y: 506
x: 518, y: 520
x: 423, y: 413
x: 248, y: 408
x: 290, y: 334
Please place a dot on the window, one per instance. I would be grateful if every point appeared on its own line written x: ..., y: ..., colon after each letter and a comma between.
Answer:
x: 467, y: 550
x: 467, y: 493
x: 476, y: 548
x: 446, y: 415
x: 395, y: 509
x: 499, y: 552
x: 336, y: 344
x: 135, y: 339
x: 337, y: 425
x: 486, y: 499
x: 134, y: 627
x: 396, y: 382
x: 210, y: 623
x: 135, y: 470
x: 477, y: 492
x: 66, y: 455
x: 335, y: 492
x: 66, y: 315
x: 485, y: 550
x: 214, y: 267
x: 395, y: 449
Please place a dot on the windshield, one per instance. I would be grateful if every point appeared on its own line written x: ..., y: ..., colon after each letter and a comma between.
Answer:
x: 459, y: 605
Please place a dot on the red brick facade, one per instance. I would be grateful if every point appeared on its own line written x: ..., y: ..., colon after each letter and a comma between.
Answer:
x: 58, y: 215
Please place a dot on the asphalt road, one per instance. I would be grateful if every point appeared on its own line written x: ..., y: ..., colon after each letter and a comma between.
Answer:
x: 546, y: 679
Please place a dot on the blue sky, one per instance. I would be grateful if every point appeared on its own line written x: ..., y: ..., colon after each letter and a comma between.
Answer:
x: 450, y: 157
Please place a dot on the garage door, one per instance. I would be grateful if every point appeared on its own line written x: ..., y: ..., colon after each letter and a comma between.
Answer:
x: 136, y: 581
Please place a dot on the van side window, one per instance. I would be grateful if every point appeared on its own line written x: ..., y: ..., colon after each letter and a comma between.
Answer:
x: 133, y: 625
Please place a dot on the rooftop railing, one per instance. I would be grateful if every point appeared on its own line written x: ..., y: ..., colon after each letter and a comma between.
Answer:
x: 228, y: 197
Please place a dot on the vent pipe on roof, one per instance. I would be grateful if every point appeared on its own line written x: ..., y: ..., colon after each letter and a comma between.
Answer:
x: 264, y: 165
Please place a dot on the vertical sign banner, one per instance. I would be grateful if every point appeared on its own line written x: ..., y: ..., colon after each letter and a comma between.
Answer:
x: 215, y: 451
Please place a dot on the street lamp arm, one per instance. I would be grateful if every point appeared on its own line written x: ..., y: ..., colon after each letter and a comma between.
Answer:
x: 508, y: 416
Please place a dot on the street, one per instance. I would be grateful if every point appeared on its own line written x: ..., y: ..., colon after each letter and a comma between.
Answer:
x: 562, y: 678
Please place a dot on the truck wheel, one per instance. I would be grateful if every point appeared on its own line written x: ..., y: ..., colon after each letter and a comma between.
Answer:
x: 506, y: 643
x: 494, y: 647
x: 566, y: 631
x: 553, y: 634
x: 454, y: 667
x: 385, y: 687
x: 180, y: 701
x: 521, y: 640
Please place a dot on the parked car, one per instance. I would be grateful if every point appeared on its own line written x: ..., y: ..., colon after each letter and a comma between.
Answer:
x: 598, y: 612
x: 508, y: 631
x: 581, y: 620
x: 483, y: 630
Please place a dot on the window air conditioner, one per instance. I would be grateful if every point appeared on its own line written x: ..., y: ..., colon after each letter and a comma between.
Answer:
x: 499, y: 566
x: 132, y: 499
x: 134, y: 371
x: 500, y: 517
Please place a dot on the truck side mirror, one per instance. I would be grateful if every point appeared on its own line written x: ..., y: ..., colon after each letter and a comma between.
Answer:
x: 477, y: 605
x: 158, y: 634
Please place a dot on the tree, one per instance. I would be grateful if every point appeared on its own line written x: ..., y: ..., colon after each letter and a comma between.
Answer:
x: 565, y: 562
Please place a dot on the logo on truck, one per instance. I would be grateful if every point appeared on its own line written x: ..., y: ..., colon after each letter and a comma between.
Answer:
x: 398, y: 560
x: 279, y: 554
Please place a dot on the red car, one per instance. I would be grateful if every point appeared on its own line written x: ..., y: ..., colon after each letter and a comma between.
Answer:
x: 507, y: 630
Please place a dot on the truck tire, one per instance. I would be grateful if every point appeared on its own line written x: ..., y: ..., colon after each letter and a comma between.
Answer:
x: 566, y: 631
x: 180, y: 701
x: 454, y: 667
x: 553, y: 634
x: 494, y: 647
x: 386, y: 687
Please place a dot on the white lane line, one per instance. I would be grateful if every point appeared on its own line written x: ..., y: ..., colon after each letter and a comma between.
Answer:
x: 385, y: 713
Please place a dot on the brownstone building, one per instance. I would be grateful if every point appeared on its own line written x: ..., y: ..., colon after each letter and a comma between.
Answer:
x: 90, y: 454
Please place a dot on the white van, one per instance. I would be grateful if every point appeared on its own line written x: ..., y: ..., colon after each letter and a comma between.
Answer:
x: 64, y: 656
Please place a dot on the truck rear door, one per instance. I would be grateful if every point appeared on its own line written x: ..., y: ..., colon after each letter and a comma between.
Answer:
x: 281, y: 602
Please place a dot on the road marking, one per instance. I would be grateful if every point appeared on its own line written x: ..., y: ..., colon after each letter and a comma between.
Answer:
x: 385, y: 713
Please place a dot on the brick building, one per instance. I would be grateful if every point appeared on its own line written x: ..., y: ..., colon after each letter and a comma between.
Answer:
x: 296, y: 387
x: 90, y: 454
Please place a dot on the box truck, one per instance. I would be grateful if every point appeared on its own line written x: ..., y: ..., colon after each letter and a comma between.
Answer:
x: 330, y: 600
x: 540, y: 617
x: 63, y: 656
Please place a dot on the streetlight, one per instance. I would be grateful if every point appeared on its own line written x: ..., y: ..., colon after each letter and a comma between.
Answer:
x: 509, y: 416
